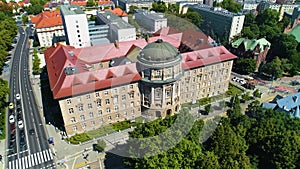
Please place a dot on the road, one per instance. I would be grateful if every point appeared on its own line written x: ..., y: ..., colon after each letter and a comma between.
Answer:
x: 25, y: 150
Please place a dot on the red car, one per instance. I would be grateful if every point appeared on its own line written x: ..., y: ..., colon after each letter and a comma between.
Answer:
x: 12, y: 127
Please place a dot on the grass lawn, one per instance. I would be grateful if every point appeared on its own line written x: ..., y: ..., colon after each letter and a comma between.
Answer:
x: 233, y: 90
x: 2, y: 123
x: 76, y: 139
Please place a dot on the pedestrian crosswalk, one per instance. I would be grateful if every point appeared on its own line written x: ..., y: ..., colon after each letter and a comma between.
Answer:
x: 31, y: 160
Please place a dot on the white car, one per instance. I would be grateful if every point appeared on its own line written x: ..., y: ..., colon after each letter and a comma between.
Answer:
x: 18, y: 96
x: 11, y: 119
x: 20, y: 124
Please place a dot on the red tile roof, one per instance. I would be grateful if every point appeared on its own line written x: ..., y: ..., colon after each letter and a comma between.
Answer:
x: 118, y: 11
x: 59, y: 57
x: 80, y: 3
x: 105, y: 2
x: 47, y: 19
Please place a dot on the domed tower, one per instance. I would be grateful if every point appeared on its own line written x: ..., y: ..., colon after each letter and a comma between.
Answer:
x: 159, y: 64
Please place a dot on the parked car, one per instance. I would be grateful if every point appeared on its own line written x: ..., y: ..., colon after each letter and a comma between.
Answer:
x: 18, y: 96
x: 31, y: 132
x: 12, y: 127
x: 20, y: 124
x: 11, y: 119
x: 11, y: 106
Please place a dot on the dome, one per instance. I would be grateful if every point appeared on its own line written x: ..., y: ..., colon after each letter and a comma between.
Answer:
x: 159, y: 51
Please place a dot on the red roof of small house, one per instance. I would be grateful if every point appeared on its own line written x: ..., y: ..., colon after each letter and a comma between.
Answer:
x: 118, y: 11
x: 105, y: 2
x: 64, y: 84
x: 79, y: 2
x: 47, y: 19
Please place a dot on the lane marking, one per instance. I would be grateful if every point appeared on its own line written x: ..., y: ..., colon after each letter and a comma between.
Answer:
x: 41, y: 154
x: 39, y: 158
x: 23, y: 162
x: 29, y: 161
x: 51, y: 156
x: 45, y: 156
x: 35, y: 159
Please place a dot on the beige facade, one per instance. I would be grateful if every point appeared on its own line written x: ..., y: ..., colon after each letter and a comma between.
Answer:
x: 92, y: 110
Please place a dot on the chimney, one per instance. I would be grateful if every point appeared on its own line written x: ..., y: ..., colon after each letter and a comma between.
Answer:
x: 117, y: 44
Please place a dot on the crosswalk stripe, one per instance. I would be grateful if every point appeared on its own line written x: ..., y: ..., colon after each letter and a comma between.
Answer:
x: 45, y: 156
x: 23, y: 162
x: 13, y: 164
x: 38, y: 157
x: 51, y: 156
x: 17, y: 164
x: 35, y: 160
x: 29, y: 161
x: 41, y: 154
x: 26, y: 164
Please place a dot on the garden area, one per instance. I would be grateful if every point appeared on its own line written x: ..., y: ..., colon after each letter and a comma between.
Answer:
x: 102, y: 131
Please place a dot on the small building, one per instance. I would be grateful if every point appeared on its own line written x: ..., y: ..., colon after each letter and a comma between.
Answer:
x: 255, y: 49
x: 150, y: 20
x: 48, y: 27
x: 119, y: 30
x: 219, y: 23
x: 290, y: 104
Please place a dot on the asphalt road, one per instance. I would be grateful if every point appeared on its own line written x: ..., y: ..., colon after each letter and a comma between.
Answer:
x: 25, y: 150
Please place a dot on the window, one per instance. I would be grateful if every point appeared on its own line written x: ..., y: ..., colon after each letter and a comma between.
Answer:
x: 92, y: 123
x: 75, y: 128
x: 97, y: 94
x: 124, y: 105
x: 82, y: 118
x: 131, y: 95
x: 117, y: 115
x: 123, y: 97
x: 78, y: 36
x: 98, y: 102
x: 90, y: 105
x: 79, y: 99
x: 107, y: 110
x: 115, y: 99
x: 71, y: 110
x: 157, y: 73
x: 73, y: 119
x: 115, y: 91
x: 123, y: 89
x: 106, y: 93
x: 131, y: 87
x: 77, y: 31
x: 109, y: 117
x: 132, y: 111
x: 68, y: 101
x: 125, y: 113
x: 168, y: 93
x: 99, y: 112
x: 91, y: 114
x: 80, y: 107
x: 116, y: 108
x: 131, y: 104
x: 106, y: 101
x: 88, y: 96
x: 83, y: 125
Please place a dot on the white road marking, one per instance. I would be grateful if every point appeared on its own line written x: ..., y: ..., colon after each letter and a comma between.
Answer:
x: 51, y: 157
x: 29, y: 161
x: 41, y: 154
x: 9, y: 165
x: 23, y: 162
x: 39, y: 158
x: 45, y: 156
x: 35, y: 159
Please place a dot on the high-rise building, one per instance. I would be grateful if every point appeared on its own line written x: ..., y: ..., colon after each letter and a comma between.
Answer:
x: 75, y: 25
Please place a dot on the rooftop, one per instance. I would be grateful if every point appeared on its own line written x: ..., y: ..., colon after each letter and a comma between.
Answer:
x: 114, y: 19
x: 47, y: 19
x: 216, y: 10
x: 71, y: 9
x: 68, y: 73
x: 118, y: 11
x: 296, y: 32
x: 250, y: 44
x: 150, y: 14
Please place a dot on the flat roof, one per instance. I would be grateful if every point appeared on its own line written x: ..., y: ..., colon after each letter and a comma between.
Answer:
x: 71, y: 10
x: 151, y: 14
x: 115, y: 20
x: 216, y: 10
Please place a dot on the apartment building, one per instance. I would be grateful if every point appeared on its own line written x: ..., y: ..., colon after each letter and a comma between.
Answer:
x: 119, y: 30
x: 104, y: 84
x: 48, y: 27
x: 75, y: 25
x: 150, y: 20
x: 219, y: 23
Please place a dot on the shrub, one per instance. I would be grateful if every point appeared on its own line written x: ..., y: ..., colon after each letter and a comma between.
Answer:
x: 100, y: 146
x: 78, y: 138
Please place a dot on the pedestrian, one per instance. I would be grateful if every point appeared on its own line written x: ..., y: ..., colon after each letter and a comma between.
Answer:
x: 1, y: 158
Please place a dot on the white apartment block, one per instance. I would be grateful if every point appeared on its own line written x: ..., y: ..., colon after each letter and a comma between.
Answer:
x: 150, y: 20
x: 219, y: 23
x: 75, y: 25
x: 46, y: 34
x: 119, y: 30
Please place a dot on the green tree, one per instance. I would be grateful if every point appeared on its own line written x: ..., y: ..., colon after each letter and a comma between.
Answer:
x: 159, y: 6
x: 230, y: 5
x: 36, y: 63
x: 100, y: 146
x: 268, y: 17
x: 256, y: 93
x: 245, y: 65
x: 208, y: 108
x: 90, y: 3
x: 273, y: 68
x: 132, y: 8
x: 246, y: 96
x: 249, y: 19
x: 24, y: 19
x: 194, y: 17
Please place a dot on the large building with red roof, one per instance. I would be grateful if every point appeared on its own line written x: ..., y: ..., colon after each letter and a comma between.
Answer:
x: 108, y: 83
x: 48, y: 26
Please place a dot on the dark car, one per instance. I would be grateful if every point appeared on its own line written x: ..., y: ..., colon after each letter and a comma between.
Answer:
x: 31, y: 132
x: 12, y: 127
x: 22, y: 142
x: 19, y: 117
x: 12, y: 137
